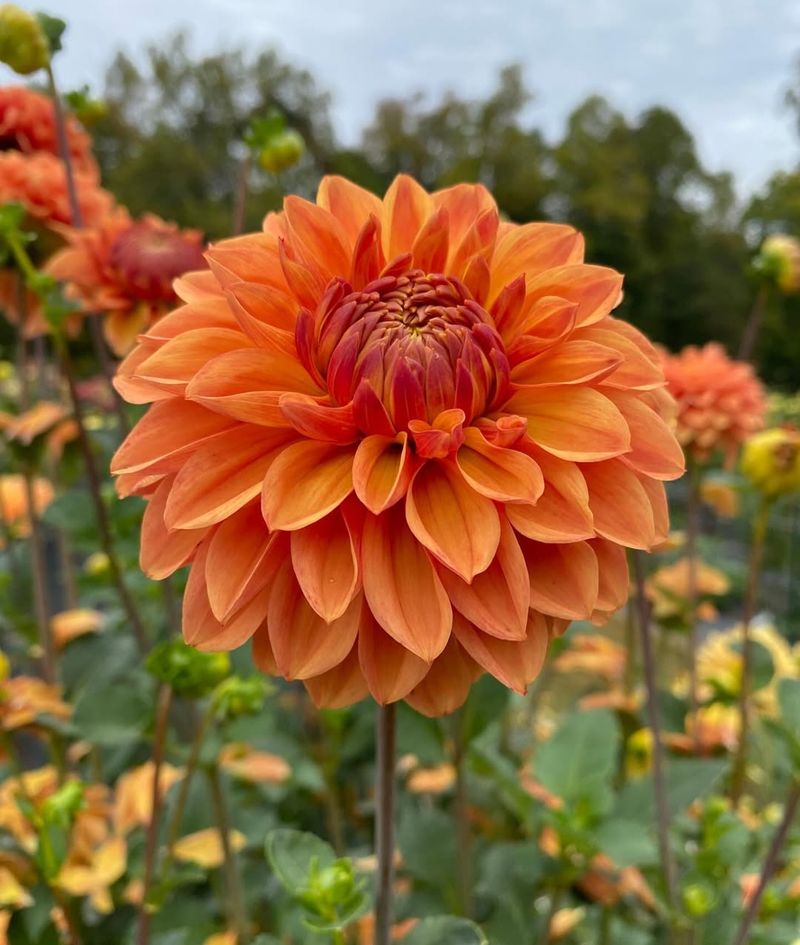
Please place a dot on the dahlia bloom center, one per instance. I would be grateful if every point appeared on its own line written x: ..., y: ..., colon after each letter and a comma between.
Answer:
x: 415, y: 344
x: 147, y: 260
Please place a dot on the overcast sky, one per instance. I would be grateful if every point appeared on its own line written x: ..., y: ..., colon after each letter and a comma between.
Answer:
x: 723, y: 65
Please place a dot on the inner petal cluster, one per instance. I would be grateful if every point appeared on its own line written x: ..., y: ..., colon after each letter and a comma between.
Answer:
x: 416, y: 342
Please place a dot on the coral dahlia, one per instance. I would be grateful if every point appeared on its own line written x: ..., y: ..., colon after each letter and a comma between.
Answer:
x: 400, y: 443
x: 720, y: 401
x: 27, y: 123
x: 125, y: 268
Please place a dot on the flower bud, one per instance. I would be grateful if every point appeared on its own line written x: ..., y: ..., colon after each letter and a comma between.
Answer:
x: 23, y: 44
x: 236, y: 696
x: 282, y: 151
x: 189, y: 672
x: 97, y: 564
x: 698, y: 900
x: 779, y: 260
x: 771, y: 461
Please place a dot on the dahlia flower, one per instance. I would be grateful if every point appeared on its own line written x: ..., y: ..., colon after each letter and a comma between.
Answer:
x: 771, y: 461
x: 125, y: 268
x: 27, y: 123
x: 38, y: 182
x: 400, y: 443
x: 720, y: 401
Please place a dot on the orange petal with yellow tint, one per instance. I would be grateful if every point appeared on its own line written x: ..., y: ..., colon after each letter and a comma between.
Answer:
x: 317, y: 237
x: 175, y: 363
x: 657, y: 495
x: 532, y: 248
x: 326, y: 566
x: 596, y: 289
x: 619, y: 504
x: 349, y: 203
x: 514, y: 663
x: 162, y: 551
x: 572, y: 362
x: 446, y: 686
x: 406, y: 206
x: 502, y: 474
x: 308, y: 480
x: 339, y: 687
x: 222, y: 476
x: 302, y: 642
x: 382, y: 471
x: 564, y: 579
x: 614, y: 579
x: 391, y: 671
x: 576, y: 423
x: 654, y: 450
x: 402, y: 588
x: 498, y: 599
x: 457, y: 525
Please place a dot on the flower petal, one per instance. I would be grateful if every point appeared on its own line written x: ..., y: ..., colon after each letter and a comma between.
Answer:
x: 406, y: 206
x: 319, y: 421
x: 349, y: 203
x: 339, y: 687
x: 564, y: 579
x: 654, y: 450
x: 446, y: 686
x: 391, y: 670
x: 619, y: 504
x: 514, y: 663
x: 502, y: 474
x: 163, y: 551
x: 596, y: 289
x: 572, y: 362
x: 382, y: 471
x: 175, y: 363
x: 326, y: 566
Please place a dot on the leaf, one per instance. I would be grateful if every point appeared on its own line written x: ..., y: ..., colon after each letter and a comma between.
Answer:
x: 578, y: 762
x: 427, y: 841
x: 486, y: 702
x: 789, y: 702
x: 113, y: 714
x: 508, y: 866
x: 445, y: 930
x: 686, y: 778
x: 626, y: 843
x: 291, y: 853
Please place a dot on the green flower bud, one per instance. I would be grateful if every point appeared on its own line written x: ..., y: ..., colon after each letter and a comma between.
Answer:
x: 282, y: 151
x: 236, y: 696
x: 23, y: 43
x: 60, y: 808
x: 698, y: 900
x: 189, y: 672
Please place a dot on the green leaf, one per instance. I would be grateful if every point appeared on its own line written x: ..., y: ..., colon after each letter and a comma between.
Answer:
x: 113, y: 714
x: 626, y: 842
x: 789, y: 702
x: 427, y: 841
x: 445, y: 930
x: 53, y: 28
x: 578, y: 762
x: 291, y: 854
x: 686, y: 778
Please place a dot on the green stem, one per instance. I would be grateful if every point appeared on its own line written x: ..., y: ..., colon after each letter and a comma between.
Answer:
x: 233, y: 881
x: 759, y: 535
x: 384, y: 821
x: 754, y: 322
x: 463, y: 829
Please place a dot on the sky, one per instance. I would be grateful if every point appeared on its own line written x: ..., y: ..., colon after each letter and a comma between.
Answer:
x: 723, y: 65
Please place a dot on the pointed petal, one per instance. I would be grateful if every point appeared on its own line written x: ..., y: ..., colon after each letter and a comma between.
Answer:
x: 175, y: 363
x: 391, y: 671
x: 513, y: 663
x: 499, y: 473
x: 654, y: 450
x: 620, y: 506
x: 446, y: 686
x: 382, y: 471
x: 406, y: 206
x: 306, y: 481
x: 402, y: 588
x: 317, y: 237
x: 341, y: 686
x: 596, y: 289
x: 457, y: 525
x: 571, y: 362
x: 349, y: 203
x: 657, y: 495
x: 319, y: 421
x: 614, y: 586
x: 162, y: 551
x: 326, y: 566
x: 564, y: 579
x: 531, y: 249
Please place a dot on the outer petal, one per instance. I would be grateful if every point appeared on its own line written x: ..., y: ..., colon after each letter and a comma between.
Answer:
x: 505, y: 475
x: 406, y: 206
x: 349, y: 203
x: 339, y: 687
x: 564, y: 579
x: 497, y: 600
x: 307, y: 481
x: 571, y: 362
x: 382, y: 471
x: 222, y: 476
x: 575, y: 423
x: 390, y: 669
x: 175, y: 363
x: 596, y: 289
x: 456, y: 524
x: 514, y: 663
x: 303, y: 644
x: 620, y: 505
x: 654, y: 450
x: 402, y: 588
x: 614, y: 579
x: 162, y: 551
x: 447, y: 684
x: 325, y: 563
x: 531, y: 249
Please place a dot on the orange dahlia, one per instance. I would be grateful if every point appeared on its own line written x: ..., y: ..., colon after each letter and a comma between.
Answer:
x: 720, y: 401
x: 27, y: 123
x: 400, y: 442
x: 38, y: 182
x: 125, y: 268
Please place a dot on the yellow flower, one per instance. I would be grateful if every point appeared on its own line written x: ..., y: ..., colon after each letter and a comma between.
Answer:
x: 639, y: 753
x: 780, y: 258
x: 23, y: 44
x: 96, y: 564
x: 71, y: 624
x: 93, y: 876
x: 134, y: 794
x: 204, y: 848
x: 259, y: 767
x: 771, y: 461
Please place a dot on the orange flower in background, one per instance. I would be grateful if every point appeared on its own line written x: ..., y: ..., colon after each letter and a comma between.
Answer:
x: 668, y: 589
x: 27, y: 123
x: 14, y: 508
x: 38, y: 182
x: 720, y: 401
x: 23, y: 699
x: 400, y: 442
x: 125, y: 268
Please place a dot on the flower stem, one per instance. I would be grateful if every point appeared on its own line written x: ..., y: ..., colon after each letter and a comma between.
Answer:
x: 654, y: 718
x: 692, y: 532
x: 463, y: 830
x: 759, y: 535
x: 770, y: 863
x: 233, y: 881
x: 164, y: 701
x: 240, y: 205
x: 753, y: 326
x: 384, y: 820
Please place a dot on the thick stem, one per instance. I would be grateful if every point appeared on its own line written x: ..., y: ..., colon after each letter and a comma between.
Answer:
x: 164, y: 702
x: 40, y: 596
x: 233, y: 881
x: 463, y: 829
x: 384, y: 821
x: 103, y: 522
x: 770, y: 864
x: 654, y: 717
x: 692, y: 532
x: 753, y: 326
x: 240, y: 205
x: 750, y: 601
